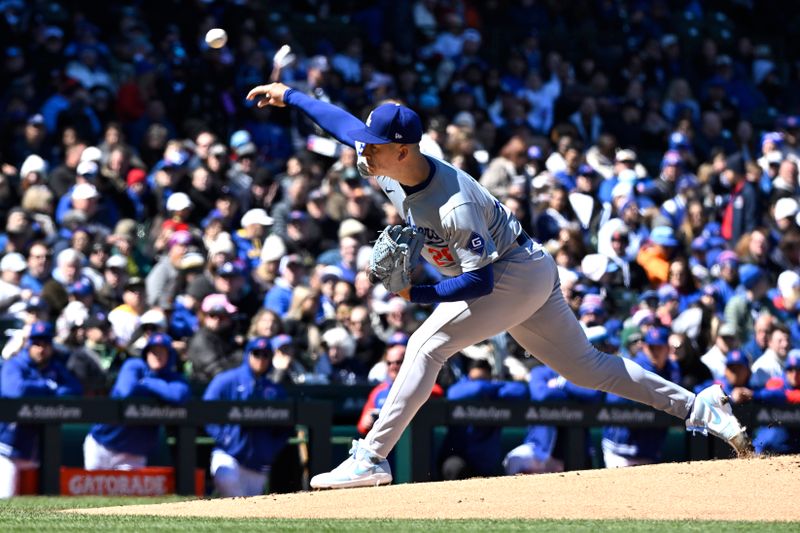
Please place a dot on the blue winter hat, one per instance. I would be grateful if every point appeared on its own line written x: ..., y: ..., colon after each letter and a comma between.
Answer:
x: 750, y: 275
x: 664, y: 235
x: 258, y: 344
x: 656, y: 336
x: 736, y: 357
x: 390, y: 123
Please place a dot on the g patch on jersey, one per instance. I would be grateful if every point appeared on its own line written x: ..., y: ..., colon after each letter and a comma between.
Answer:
x: 476, y: 243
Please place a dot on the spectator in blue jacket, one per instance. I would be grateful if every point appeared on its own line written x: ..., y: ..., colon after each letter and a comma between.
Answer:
x: 33, y: 372
x: 243, y: 455
x: 476, y: 450
x: 539, y: 453
x: 624, y: 446
x: 785, y: 390
x: 153, y: 376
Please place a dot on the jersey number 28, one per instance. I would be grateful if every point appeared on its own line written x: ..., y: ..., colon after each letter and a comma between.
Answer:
x: 440, y: 256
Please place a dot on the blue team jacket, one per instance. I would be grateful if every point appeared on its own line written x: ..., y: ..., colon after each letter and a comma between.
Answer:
x: 253, y: 447
x: 543, y: 438
x: 20, y: 377
x: 640, y: 443
x: 480, y: 446
x: 137, y: 380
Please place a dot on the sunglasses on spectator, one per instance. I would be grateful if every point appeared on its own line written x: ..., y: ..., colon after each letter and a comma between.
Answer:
x: 394, y: 363
x: 261, y: 354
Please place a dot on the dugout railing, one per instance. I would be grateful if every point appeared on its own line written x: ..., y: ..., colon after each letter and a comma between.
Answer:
x: 574, y: 419
x: 318, y: 416
x: 187, y: 419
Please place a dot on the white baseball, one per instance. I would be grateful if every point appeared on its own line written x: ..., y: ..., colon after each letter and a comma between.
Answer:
x: 216, y: 38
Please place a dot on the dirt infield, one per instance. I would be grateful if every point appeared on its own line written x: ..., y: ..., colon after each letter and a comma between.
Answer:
x: 736, y: 489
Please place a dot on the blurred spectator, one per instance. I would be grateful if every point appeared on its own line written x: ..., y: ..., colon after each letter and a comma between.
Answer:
x: 126, y: 447
x: 124, y: 318
x: 31, y: 373
x: 771, y: 363
x: 624, y: 446
x: 243, y: 455
x: 781, y: 390
x: 337, y: 363
x: 213, y: 349
x: 715, y: 358
x: 286, y: 369
x: 469, y: 451
x: 542, y: 451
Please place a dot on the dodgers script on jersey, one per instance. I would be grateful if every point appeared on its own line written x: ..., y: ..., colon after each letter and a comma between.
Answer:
x: 465, y: 227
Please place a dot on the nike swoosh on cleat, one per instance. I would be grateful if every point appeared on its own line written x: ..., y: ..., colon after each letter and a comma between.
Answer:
x: 389, y: 190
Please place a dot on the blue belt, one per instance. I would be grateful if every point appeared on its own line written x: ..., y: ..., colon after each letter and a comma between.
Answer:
x: 523, y: 239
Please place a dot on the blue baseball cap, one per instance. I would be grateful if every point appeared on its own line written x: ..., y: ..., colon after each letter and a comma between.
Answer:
x: 230, y: 269
x: 258, y: 343
x: 158, y: 339
x: 397, y: 338
x: 736, y: 357
x: 280, y: 341
x: 591, y: 307
x: 390, y: 123
x: 41, y: 330
x: 699, y: 244
x: 664, y: 235
x: 668, y: 293
x: 750, y: 275
x: 678, y: 141
x: 81, y: 288
x: 656, y: 336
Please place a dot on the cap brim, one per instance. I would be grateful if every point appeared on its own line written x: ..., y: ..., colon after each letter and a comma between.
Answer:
x: 365, y: 136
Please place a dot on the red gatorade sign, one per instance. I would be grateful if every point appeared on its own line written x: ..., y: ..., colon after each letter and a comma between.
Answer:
x: 149, y: 481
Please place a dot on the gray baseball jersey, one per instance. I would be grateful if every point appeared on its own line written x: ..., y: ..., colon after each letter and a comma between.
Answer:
x: 465, y: 227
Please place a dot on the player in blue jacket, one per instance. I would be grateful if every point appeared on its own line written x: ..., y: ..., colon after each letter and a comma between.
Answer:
x: 31, y: 373
x: 623, y: 446
x: 498, y: 279
x: 153, y: 376
x: 243, y: 455
x: 538, y: 453
x: 475, y: 450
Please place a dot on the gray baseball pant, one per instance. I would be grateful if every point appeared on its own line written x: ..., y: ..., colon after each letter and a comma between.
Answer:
x: 527, y: 302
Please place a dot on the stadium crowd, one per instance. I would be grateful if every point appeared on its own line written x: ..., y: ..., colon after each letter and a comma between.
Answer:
x: 653, y: 147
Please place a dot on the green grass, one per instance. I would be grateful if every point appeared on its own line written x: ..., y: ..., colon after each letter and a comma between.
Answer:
x: 39, y: 514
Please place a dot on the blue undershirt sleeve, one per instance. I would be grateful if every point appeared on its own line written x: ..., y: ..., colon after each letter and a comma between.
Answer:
x: 464, y: 287
x: 334, y: 120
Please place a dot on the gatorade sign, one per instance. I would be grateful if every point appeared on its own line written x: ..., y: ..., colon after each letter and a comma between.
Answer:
x: 149, y: 481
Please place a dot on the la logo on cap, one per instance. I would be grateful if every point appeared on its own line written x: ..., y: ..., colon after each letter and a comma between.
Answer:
x: 369, y: 119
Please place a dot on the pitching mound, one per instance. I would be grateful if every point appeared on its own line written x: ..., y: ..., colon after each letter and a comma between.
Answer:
x: 736, y: 489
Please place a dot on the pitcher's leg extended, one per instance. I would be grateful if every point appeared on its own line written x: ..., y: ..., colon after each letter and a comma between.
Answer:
x: 554, y: 336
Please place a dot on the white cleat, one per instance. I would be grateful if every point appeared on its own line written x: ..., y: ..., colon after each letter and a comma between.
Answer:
x: 712, y: 413
x: 362, y: 469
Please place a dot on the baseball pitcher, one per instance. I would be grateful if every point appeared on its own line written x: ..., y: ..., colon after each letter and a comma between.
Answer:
x: 501, y: 280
